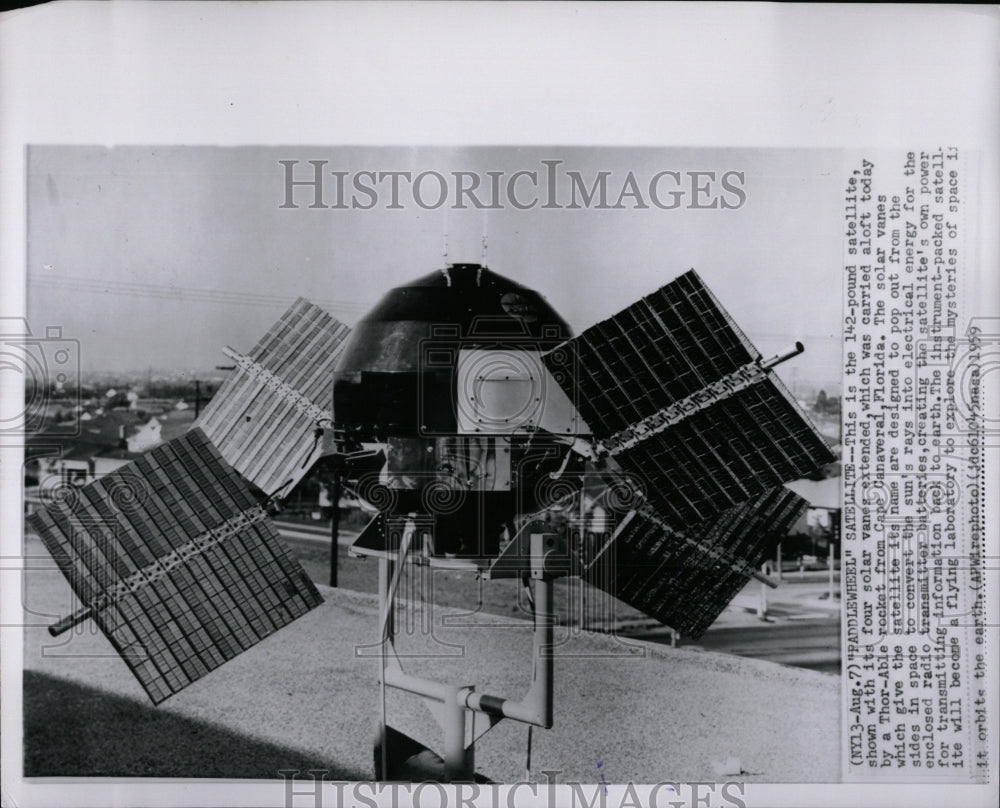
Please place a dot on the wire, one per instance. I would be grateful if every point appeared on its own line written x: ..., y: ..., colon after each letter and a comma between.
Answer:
x: 404, y: 549
x: 170, y: 292
x: 385, y: 725
x: 534, y: 673
x: 529, y: 596
x: 527, y: 759
x: 280, y: 488
x: 317, y: 437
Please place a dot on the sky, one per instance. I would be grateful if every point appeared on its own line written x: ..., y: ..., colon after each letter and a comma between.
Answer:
x: 160, y: 256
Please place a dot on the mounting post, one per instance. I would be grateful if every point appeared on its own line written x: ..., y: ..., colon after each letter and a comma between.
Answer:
x: 334, y: 491
x: 535, y: 708
x: 386, y: 569
x: 459, y: 761
x: 386, y: 609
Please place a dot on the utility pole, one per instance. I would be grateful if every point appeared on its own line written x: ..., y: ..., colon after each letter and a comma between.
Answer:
x: 197, y: 397
x: 829, y: 563
x: 334, y: 490
x: 762, y: 604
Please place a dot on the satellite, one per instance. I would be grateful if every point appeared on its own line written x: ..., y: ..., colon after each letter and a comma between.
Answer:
x: 471, y: 421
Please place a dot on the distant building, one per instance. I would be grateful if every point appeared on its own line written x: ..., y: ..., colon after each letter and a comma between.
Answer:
x: 821, y: 520
x: 821, y: 494
x: 152, y: 405
x: 109, y: 428
x: 105, y: 442
x: 160, y: 429
x: 78, y: 464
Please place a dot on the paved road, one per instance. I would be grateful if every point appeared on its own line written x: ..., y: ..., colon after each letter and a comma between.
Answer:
x: 813, y: 643
x: 318, y: 534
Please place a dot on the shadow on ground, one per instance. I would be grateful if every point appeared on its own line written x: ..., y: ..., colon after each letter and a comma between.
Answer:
x: 71, y: 730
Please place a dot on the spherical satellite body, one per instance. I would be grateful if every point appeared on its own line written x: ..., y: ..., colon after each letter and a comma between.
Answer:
x: 443, y: 381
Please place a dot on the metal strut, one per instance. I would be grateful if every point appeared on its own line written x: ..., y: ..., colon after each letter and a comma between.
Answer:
x: 535, y: 709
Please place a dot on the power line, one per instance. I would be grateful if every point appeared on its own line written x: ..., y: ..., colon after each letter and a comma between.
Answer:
x: 798, y: 335
x: 186, y: 293
x: 225, y: 297
x: 174, y: 292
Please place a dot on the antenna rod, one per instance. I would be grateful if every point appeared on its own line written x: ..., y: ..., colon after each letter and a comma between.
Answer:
x: 446, y: 236
x: 486, y: 232
x: 779, y: 358
x: 69, y: 621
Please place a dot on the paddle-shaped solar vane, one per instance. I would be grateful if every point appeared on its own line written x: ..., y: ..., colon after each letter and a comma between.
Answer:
x: 264, y: 418
x: 176, y: 562
x: 675, y: 392
x: 686, y: 578
x: 678, y: 396
x: 172, y: 555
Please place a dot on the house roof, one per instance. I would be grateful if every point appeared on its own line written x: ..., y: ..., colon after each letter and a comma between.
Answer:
x: 119, y: 454
x: 83, y: 450
x: 175, y: 423
x: 84, y: 439
x: 105, y: 428
x: 818, y: 493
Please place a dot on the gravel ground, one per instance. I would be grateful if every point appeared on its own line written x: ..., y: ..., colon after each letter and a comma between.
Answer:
x: 304, y: 699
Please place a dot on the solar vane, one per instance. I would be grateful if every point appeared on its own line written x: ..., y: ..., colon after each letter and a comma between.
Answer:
x: 685, y: 578
x: 176, y: 562
x: 674, y: 391
x: 468, y: 436
x: 264, y: 417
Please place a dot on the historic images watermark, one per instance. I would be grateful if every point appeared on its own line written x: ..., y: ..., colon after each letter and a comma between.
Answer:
x: 302, y: 791
x: 48, y: 365
x: 548, y: 186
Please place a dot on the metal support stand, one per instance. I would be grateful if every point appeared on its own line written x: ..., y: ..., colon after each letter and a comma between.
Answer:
x: 459, y: 761
x: 458, y: 703
x: 387, y: 610
x: 387, y: 633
